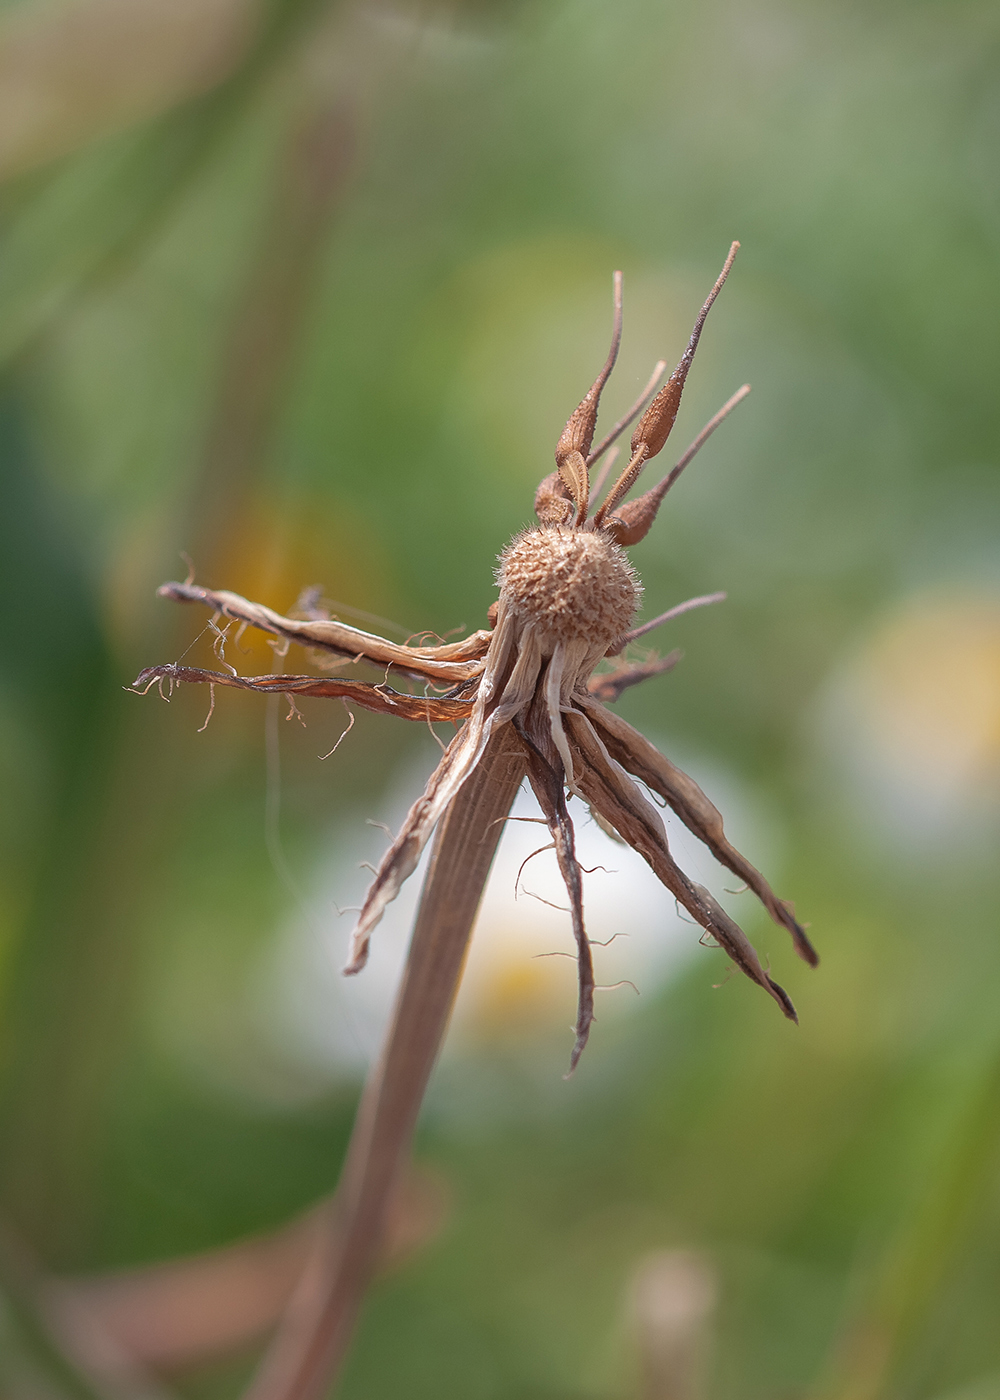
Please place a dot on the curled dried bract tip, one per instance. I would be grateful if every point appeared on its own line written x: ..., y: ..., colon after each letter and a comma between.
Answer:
x: 655, y: 425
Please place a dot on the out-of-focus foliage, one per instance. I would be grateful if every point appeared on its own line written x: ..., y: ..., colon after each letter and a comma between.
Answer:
x: 306, y: 290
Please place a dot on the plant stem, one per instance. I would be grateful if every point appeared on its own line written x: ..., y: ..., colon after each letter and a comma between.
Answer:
x: 313, y: 1339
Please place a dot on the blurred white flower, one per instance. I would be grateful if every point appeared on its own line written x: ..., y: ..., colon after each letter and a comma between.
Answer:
x: 911, y: 720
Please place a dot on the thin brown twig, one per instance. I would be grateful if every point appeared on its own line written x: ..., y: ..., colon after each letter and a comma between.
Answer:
x: 668, y: 616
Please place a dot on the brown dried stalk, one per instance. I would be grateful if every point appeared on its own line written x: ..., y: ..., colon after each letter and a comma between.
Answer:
x: 317, y: 1329
x: 528, y: 695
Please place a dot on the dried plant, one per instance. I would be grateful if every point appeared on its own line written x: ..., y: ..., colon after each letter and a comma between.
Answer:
x: 529, y: 697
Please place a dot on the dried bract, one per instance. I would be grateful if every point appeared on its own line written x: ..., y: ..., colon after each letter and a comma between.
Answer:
x: 568, y: 598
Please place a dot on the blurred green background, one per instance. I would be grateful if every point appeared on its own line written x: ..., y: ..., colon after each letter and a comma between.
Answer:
x: 306, y: 291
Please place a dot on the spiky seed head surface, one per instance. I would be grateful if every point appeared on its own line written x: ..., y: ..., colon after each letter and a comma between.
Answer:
x: 569, y: 585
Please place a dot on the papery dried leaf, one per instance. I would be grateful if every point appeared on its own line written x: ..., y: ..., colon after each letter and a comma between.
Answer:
x: 400, y: 860
x: 547, y: 785
x: 453, y: 661
x: 381, y: 699
x: 603, y: 784
x: 606, y: 827
x: 645, y: 762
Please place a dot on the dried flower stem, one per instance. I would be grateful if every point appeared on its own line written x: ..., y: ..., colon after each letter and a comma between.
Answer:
x: 529, y: 699
x: 313, y: 1340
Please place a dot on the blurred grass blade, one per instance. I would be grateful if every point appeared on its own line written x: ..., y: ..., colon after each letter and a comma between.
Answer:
x: 876, y: 1341
x: 97, y: 210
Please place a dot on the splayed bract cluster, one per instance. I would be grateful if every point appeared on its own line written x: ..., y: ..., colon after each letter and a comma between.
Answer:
x: 568, y: 598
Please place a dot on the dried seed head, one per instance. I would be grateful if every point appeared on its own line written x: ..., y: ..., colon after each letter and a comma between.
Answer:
x: 569, y: 585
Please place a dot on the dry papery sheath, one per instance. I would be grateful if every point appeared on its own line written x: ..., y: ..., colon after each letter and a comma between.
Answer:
x: 535, y: 681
